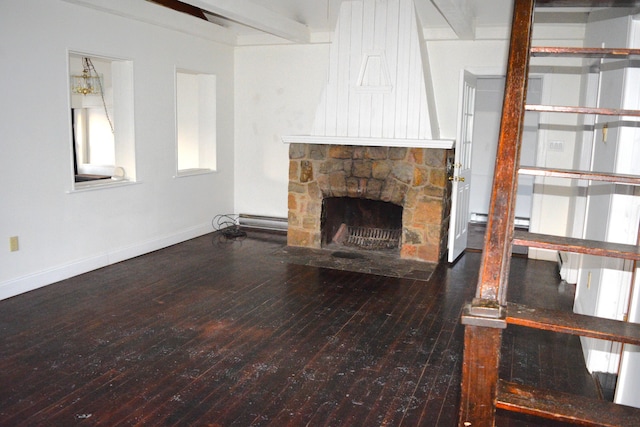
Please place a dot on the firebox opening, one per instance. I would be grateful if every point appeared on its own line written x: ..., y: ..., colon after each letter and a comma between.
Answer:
x: 361, y: 223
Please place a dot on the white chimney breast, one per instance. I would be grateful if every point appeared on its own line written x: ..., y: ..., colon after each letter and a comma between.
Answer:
x: 379, y: 82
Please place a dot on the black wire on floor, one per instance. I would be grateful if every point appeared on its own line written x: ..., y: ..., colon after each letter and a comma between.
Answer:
x: 227, y: 227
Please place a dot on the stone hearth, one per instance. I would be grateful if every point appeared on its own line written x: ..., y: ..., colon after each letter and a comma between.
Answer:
x: 414, y: 178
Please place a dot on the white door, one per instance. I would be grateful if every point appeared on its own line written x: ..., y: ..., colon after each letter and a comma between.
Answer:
x: 460, y: 192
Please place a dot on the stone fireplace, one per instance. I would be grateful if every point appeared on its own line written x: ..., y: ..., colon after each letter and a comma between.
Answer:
x: 414, y: 179
x: 375, y: 137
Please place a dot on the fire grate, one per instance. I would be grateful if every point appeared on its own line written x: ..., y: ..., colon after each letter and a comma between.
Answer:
x: 372, y: 238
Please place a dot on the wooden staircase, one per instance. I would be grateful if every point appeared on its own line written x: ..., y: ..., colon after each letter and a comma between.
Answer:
x: 489, y: 312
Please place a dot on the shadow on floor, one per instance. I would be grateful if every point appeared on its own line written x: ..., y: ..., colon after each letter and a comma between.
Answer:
x: 381, y: 263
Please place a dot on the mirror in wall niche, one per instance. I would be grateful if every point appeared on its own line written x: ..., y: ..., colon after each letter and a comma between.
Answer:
x: 101, y: 100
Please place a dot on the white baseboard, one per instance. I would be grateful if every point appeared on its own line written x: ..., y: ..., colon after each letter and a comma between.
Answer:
x: 482, y: 218
x: 543, y: 254
x: 599, y: 355
x: 568, y: 264
x: 43, y: 278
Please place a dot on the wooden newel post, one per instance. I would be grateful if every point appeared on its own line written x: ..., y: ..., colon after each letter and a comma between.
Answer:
x: 484, y: 318
x: 479, y: 376
x: 484, y: 321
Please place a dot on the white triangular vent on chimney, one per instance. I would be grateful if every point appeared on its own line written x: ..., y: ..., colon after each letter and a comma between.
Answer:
x: 379, y: 89
x: 374, y: 74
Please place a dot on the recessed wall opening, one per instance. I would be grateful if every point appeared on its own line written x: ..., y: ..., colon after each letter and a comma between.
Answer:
x: 195, y: 122
x: 361, y: 223
x: 102, y: 120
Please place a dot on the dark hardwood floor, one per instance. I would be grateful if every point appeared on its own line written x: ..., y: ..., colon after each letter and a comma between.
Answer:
x: 219, y: 333
x: 475, y: 240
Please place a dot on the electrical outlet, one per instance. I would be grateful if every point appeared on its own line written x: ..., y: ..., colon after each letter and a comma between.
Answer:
x: 13, y: 243
x: 556, y: 146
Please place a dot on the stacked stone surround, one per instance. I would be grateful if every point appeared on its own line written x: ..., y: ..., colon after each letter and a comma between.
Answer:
x: 414, y: 178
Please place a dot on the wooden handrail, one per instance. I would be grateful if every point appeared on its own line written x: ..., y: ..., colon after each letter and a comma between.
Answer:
x: 582, y: 110
x: 482, y: 344
x: 488, y: 313
x: 494, y: 269
x: 583, y: 52
x: 575, y: 174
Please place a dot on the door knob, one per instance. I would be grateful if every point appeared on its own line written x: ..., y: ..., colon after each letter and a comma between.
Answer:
x: 456, y: 178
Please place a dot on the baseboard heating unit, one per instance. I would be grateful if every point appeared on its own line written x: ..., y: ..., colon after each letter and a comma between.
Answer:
x: 259, y: 222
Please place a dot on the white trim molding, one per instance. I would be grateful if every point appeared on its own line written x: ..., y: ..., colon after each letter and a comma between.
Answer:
x: 444, y: 144
x: 40, y: 279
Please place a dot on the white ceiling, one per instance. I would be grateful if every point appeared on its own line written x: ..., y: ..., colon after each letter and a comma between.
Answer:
x: 320, y: 16
x: 303, y: 21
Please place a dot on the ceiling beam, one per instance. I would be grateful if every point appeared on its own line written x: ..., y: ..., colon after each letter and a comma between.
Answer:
x: 181, y: 7
x: 256, y: 16
x: 459, y: 16
x: 145, y: 11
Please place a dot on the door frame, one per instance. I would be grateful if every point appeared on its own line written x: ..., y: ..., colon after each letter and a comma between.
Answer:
x: 461, y: 176
x: 497, y: 72
x: 478, y: 72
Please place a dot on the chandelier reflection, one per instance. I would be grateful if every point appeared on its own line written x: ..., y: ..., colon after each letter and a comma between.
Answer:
x: 89, y: 82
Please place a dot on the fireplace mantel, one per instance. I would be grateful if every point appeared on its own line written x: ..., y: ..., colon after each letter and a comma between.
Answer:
x: 444, y: 144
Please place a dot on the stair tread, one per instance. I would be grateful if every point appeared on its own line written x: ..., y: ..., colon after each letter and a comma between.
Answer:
x: 485, y: 317
x: 564, y: 407
x: 581, y: 110
x: 583, y: 52
x: 572, y: 244
x: 573, y: 323
x: 587, y: 3
x: 568, y: 173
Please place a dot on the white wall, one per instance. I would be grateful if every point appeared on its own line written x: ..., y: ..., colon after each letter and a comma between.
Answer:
x: 557, y: 136
x: 486, y: 127
x: 611, y: 213
x: 602, y: 282
x: 278, y: 89
x: 63, y: 233
x: 629, y: 161
x: 489, y: 58
x: 488, y: 112
x: 448, y: 58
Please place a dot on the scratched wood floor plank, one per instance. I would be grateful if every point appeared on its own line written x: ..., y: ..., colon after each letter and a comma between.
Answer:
x: 219, y: 333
